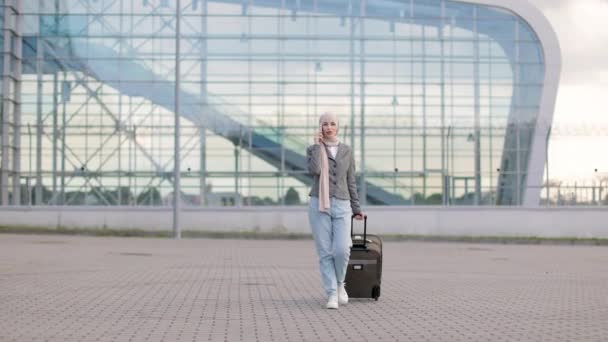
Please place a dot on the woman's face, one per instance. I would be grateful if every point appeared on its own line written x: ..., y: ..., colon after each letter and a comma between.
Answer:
x: 330, y: 129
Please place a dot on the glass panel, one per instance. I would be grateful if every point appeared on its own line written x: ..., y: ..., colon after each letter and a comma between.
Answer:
x: 254, y: 82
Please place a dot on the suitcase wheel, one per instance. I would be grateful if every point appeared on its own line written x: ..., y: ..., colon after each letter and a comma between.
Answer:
x: 376, y: 292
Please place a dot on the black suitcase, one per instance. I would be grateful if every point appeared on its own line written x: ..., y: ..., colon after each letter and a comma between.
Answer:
x: 364, y: 272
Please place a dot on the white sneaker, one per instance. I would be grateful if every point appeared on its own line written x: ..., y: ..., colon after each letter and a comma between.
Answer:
x: 342, y: 295
x: 332, y: 303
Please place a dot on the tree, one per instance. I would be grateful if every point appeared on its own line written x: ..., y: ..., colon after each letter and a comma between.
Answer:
x: 125, y: 195
x: 46, y: 195
x: 99, y: 196
x: 75, y: 198
x: 292, y: 197
x: 419, y: 198
x: 434, y: 199
x: 150, y: 196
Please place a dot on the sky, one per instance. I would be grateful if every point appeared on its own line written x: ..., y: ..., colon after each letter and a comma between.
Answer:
x: 579, y: 141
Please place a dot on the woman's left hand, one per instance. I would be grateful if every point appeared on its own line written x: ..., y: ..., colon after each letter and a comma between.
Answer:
x: 359, y: 216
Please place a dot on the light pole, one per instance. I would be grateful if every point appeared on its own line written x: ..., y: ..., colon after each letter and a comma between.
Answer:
x: 177, y: 234
x: 446, y: 170
x: 601, y: 187
x: 29, y: 173
x: 547, y: 164
x: 593, y: 201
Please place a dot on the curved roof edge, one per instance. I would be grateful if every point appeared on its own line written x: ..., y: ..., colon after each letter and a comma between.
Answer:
x: 553, y: 61
x: 537, y: 21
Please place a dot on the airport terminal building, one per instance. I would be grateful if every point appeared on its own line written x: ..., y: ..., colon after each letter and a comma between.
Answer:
x: 444, y: 102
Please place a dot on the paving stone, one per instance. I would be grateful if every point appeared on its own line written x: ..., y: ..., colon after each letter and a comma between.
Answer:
x: 70, y: 288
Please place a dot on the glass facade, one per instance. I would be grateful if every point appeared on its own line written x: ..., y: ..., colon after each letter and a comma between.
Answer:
x: 438, y: 98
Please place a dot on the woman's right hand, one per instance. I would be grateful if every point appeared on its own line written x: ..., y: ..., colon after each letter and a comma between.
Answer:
x: 318, y: 138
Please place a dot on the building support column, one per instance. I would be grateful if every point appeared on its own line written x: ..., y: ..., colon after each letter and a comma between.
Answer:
x: 10, y: 167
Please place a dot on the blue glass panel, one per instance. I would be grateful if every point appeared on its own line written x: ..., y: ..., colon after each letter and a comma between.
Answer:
x: 500, y: 30
x: 427, y: 9
x: 459, y: 14
x: 493, y: 13
x: 375, y: 27
x: 227, y: 25
x: 48, y: 25
x: 387, y: 9
x: 63, y: 25
x: 432, y: 23
x: 525, y: 32
x: 532, y: 73
x: 501, y: 71
x: 228, y: 46
x: 462, y: 11
x: 530, y: 53
x: 263, y: 25
x: 529, y: 95
x: 216, y: 7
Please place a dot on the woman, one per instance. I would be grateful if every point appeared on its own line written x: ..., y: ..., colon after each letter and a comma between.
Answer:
x: 333, y: 200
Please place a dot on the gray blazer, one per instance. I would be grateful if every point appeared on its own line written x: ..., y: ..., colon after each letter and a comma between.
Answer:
x: 342, y: 181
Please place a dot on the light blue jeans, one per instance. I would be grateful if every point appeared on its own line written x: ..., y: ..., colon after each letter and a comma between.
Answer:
x: 332, y: 240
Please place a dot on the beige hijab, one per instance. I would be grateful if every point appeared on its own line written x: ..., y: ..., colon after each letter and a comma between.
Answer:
x: 324, y: 203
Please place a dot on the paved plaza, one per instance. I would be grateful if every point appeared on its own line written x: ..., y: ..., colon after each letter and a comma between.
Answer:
x: 73, y: 288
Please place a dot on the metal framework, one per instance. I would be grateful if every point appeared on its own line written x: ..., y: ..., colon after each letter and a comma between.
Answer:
x: 421, y: 126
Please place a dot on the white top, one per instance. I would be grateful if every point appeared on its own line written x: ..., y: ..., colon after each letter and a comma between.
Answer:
x: 333, y: 149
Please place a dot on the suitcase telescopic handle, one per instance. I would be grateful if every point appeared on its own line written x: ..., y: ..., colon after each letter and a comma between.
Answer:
x: 352, y: 221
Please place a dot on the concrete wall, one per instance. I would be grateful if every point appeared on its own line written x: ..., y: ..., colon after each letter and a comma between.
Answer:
x: 581, y: 222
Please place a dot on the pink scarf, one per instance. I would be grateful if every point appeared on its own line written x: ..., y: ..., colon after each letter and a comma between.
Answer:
x: 324, y: 203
